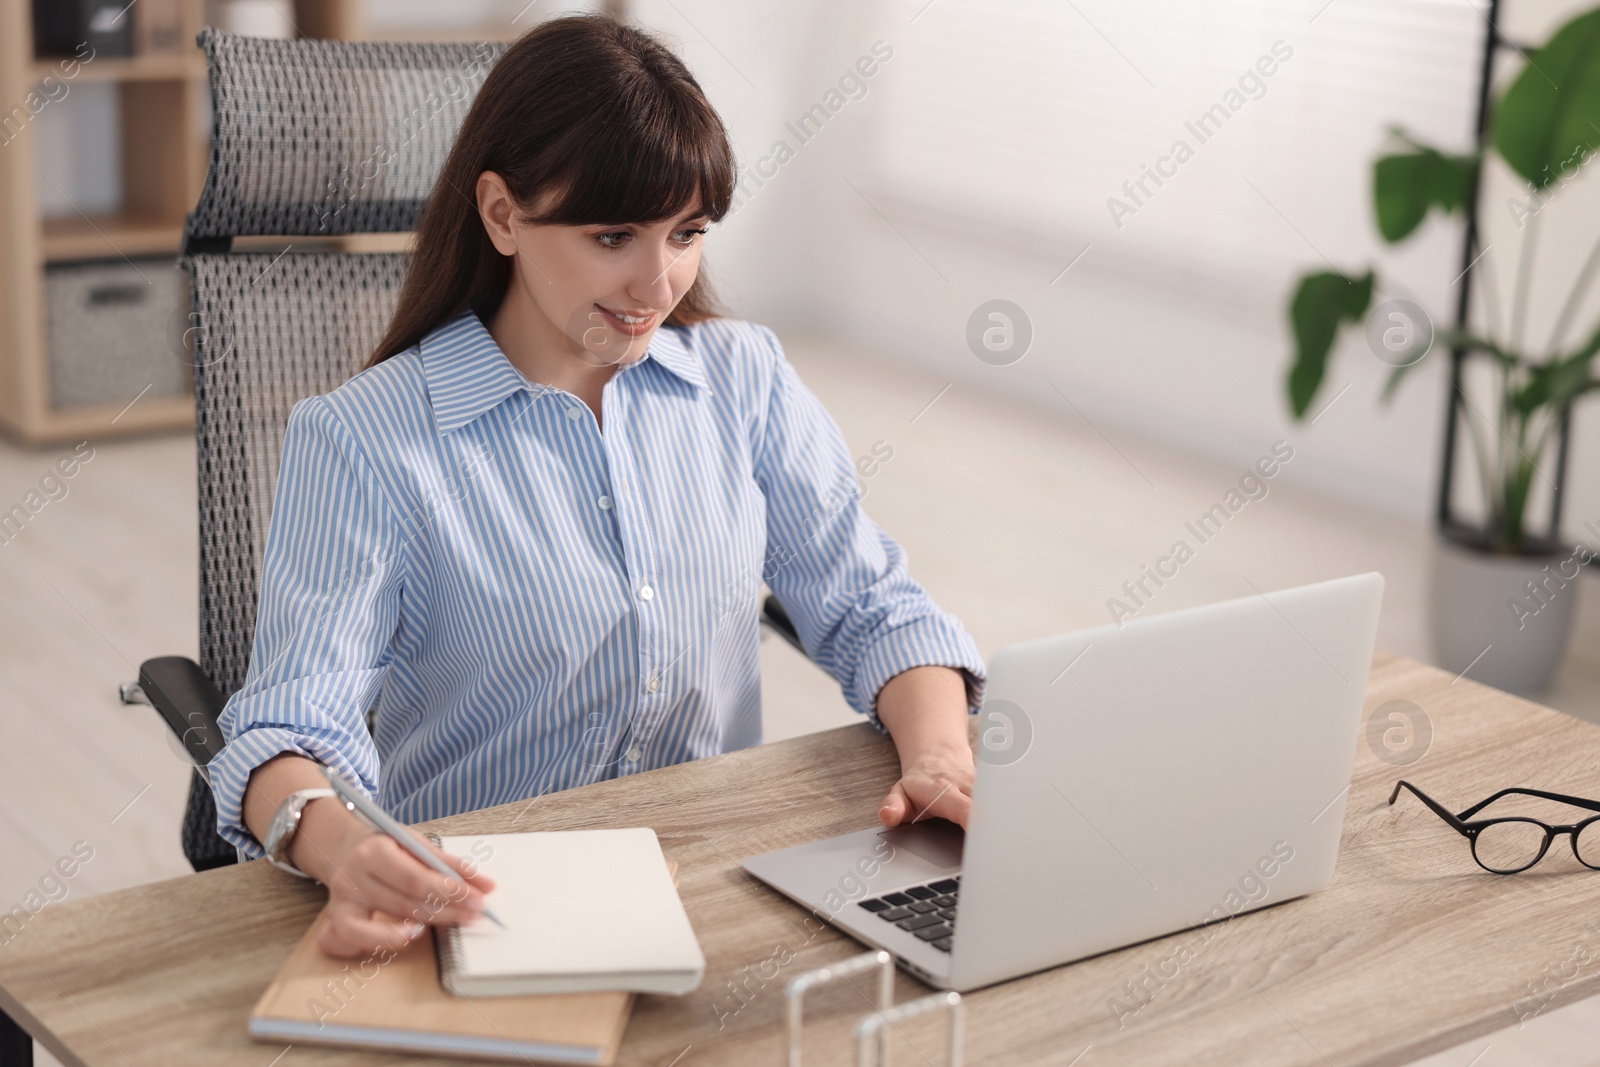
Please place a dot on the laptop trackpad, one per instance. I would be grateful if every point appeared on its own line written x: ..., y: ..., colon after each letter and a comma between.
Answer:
x: 938, y: 841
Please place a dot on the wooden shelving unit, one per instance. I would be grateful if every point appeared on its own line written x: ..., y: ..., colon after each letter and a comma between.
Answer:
x: 88, y: 236
x: 160, y: 98
x: 135, y: 68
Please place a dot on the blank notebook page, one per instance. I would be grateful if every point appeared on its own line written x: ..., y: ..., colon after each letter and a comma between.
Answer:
x: 577, y: 903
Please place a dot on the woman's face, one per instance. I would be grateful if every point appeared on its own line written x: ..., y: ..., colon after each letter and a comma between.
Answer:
x: 604, y: 289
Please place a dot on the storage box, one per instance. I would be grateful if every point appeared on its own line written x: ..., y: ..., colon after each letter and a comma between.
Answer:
x: 61, y: 26
x: 116, y: 330
x: 158, y: 28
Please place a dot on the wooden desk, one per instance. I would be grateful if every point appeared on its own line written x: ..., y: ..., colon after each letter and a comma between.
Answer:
x: 1412, y: 949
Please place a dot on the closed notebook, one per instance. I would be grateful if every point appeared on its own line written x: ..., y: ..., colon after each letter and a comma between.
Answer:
x: 585, y: 910
x: 395, y: 1001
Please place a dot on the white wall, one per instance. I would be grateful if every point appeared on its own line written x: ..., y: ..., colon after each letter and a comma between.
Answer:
x: 1140, y: 345
x: 1139, y: 341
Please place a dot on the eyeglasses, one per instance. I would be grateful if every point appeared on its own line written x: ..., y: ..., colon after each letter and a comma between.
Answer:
x: 1509, y: 845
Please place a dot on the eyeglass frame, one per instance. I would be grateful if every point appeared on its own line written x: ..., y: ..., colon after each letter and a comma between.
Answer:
x: 1471, y: 829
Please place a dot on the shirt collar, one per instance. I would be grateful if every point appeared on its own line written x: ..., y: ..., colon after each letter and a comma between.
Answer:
x: 468, y: 374
x: 667, y: 348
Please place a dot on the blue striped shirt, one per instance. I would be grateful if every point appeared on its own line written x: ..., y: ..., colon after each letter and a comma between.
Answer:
x: 533, y: 601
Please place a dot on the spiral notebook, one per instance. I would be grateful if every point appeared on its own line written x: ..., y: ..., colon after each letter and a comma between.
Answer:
x: 584, y: 910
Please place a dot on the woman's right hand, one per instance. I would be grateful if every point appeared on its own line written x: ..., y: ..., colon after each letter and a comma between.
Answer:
x: 379, y: 895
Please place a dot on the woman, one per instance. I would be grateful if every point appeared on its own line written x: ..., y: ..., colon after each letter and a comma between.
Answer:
x: 533, y: 530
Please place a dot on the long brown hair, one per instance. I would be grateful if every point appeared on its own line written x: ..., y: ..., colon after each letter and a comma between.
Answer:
x: 599, y: 113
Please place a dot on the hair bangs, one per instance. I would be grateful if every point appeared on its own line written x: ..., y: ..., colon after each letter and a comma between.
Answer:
x: 664, y: 164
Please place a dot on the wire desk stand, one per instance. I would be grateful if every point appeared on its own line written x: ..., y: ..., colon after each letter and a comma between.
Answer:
x: 872, y: 1030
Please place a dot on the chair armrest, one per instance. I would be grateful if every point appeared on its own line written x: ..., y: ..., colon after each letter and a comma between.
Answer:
x: 188, y: 701
x: 773, y: 615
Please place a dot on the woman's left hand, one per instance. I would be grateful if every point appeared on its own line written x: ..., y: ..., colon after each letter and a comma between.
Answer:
x: 925, y: 711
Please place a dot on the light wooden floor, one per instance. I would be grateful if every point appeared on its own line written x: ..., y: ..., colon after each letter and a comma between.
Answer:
x: 1021, y: 522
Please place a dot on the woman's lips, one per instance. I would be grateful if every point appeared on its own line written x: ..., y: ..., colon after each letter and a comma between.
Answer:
x: 630, y: 329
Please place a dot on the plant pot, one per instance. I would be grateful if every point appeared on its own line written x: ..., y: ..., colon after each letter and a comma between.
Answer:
x: 1507, y: 617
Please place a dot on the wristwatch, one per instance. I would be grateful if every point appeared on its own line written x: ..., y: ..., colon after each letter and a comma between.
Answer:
x: 284, y: 824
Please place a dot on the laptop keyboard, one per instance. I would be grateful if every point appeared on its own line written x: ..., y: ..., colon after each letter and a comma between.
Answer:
x: 929, y: 911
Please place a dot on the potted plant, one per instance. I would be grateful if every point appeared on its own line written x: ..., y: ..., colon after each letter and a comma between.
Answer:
x: 1502, y: 597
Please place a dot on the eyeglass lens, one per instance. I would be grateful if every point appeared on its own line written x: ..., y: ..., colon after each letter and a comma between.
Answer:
x: 1513, y: 844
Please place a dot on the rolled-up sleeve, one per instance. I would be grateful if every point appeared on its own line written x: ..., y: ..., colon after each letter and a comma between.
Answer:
x: 328, y: 608
x: 843, y: 580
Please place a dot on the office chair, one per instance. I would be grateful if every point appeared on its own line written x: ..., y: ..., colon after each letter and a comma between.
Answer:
x: 310, y: 139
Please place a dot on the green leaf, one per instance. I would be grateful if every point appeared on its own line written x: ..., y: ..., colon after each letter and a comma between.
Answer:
x: 1558, y: 382
x: 1444, y: 339
x: 1548, y: 120
x: 1406, y: 185
x: 1320, y: 304
x: 1550, y: 383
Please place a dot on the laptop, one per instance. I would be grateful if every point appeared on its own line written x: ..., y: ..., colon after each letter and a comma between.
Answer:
x: 1133, y: 781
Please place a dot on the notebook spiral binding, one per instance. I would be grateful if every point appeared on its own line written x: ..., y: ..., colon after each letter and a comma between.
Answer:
x: 446, y: 941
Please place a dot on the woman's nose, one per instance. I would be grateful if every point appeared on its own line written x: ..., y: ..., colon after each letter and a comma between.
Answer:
x: 654, y: 284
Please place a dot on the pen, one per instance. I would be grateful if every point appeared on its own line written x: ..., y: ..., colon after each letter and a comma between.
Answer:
x: 357, y: 801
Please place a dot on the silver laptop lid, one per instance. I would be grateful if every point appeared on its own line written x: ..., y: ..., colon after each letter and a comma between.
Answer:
x: 1144, y: 778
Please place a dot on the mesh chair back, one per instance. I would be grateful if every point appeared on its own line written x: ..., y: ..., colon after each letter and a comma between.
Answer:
x: 276, y: 329
x: 309, y: 138
x: 330, y: 137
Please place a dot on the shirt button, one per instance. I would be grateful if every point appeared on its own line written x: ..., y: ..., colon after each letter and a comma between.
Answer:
x: 574, y: 414
x: 654, y: 683
x: 634, y: 754
x: 604, y: 501
x: 645, y: 592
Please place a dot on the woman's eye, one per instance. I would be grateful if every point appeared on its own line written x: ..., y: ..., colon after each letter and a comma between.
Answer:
x: 618, y: 238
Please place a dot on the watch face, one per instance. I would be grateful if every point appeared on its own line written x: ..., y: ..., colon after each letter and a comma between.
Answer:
x: 282, y: 826
x: 275, y: 834
x: 284, y: 823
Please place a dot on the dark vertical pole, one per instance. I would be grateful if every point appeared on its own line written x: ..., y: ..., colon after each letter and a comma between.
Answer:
x: 16, y: 1047
x: 1564, y: 431
x: 1469, y: 252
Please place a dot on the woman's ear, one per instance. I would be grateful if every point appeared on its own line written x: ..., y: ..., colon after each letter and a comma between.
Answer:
x: 494, y: 208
